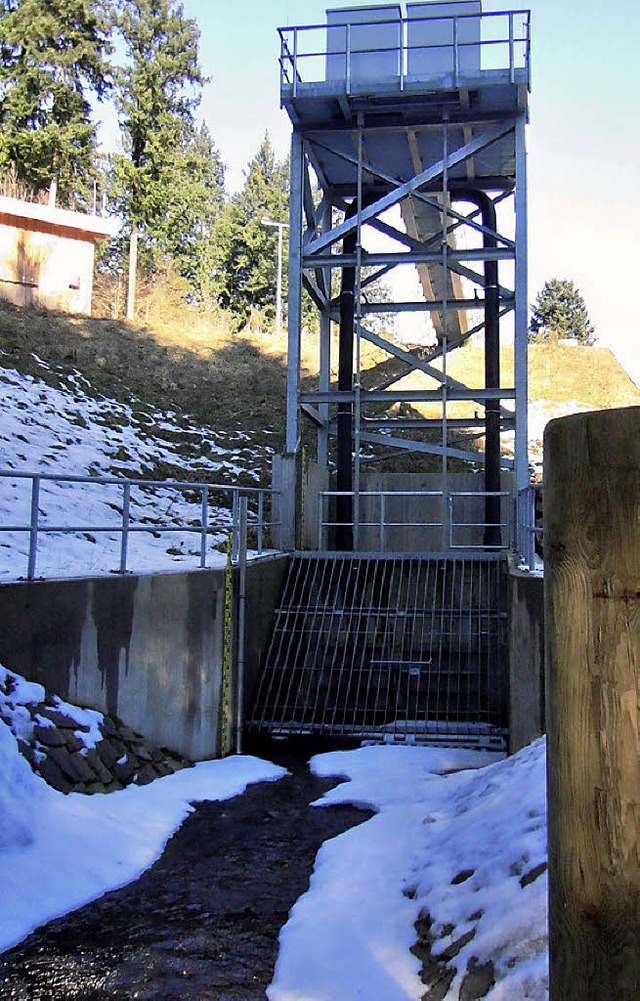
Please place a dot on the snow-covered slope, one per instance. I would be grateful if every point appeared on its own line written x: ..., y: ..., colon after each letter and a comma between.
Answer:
x: 68, y: 430
x: 59, y: 852
x: 461, y: 854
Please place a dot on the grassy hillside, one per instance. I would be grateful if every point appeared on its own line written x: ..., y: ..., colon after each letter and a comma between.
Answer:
x: 558, y: 373
x: 222, y: 381
x: 237, y: 382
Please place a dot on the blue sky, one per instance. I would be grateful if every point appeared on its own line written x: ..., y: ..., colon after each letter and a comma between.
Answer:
x: 584, y: 139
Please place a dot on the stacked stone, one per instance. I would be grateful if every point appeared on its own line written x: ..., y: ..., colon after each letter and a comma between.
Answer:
x: 55, y: 749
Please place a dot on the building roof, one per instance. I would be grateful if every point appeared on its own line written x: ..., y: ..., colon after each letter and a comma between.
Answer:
x: 93, y: 225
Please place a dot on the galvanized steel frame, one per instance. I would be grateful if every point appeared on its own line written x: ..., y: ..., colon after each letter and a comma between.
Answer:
x: 314, y: 255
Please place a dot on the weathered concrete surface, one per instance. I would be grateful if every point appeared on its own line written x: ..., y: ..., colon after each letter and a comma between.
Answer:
x: 148, y: 649
x: 526, y: 658
x: 265, y: 582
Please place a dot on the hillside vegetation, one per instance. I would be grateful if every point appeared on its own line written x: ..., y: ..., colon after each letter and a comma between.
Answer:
x: 231, y: 382
x: 558, y: 373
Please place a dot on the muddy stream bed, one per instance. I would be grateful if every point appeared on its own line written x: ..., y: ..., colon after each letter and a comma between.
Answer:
x: 202, y: 923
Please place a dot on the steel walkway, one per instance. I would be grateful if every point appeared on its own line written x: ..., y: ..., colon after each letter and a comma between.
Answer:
x: 388, y: 648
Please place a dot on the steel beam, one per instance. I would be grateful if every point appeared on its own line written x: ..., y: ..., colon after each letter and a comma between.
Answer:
x: 421, y: 306
x: 394, y: 258
x: 482, y: 141
x: 295, y: 291
x: 521, y: 332
x: 409, y: 395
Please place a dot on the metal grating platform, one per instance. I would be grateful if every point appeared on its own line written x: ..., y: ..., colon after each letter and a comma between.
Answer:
x: 390, y: 648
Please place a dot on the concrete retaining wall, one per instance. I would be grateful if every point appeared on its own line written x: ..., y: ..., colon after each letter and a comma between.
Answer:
x: 147, y: 649
x: 526, y: 658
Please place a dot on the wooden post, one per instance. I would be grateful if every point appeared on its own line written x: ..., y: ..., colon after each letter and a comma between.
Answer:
x: 592, y: 621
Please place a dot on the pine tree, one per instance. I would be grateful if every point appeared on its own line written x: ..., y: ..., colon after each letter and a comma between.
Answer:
x: 52, y: 56
x: 245, y: 274
x: 195, y: 199
x: 158, y: 91
x: 560, y: 312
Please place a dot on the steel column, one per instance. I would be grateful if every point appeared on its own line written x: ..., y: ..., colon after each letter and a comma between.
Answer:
x: 521, y: 332
x: 295, y: 291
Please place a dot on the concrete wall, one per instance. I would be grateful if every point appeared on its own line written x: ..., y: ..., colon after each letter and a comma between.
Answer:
x: 526, y: 658
x: 265, y: 583
x: 45, y: 268
x: 149, y: 648
x: 145, y: 648
x: 46, y: 254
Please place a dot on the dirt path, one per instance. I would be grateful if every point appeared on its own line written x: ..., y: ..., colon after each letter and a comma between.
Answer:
x: 202, y: 924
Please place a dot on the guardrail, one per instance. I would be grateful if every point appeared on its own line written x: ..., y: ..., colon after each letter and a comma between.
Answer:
x: 405, y: 50
x: 450, y: 523
x: 528, y: 527
x: 256, y: 519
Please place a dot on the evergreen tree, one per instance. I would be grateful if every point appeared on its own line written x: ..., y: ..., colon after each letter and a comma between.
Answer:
x: 560, y: 312
x: 158, y: 91
x: 195, y: 199
x: 246, y: 263
x: 52, y: 54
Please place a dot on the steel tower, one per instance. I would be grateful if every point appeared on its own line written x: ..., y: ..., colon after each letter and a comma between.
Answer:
x: 408, y: 156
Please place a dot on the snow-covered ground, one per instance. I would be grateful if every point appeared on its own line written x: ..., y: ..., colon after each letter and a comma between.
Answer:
x: 66, y: 431
x: 465, y: 847
x: 59, y: 852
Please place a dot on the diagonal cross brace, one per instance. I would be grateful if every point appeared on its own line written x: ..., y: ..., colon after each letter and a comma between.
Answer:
x: 418, y: 363
x: 460, y: 217
x: 393, y: 197
x: 411, y: 445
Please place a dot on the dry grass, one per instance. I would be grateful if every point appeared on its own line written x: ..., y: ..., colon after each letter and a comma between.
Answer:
x: 558, y: 373
x: 221, y: 381
x: 12, y: 187
x: 194, y: 364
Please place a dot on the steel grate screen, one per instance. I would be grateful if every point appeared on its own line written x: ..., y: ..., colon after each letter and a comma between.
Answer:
x: 388, y: 648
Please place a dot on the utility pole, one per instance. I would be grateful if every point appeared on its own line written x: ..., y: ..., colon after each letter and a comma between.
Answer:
x: 280, y: 226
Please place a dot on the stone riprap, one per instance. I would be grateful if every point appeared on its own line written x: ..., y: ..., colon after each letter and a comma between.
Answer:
x: 78, y: 750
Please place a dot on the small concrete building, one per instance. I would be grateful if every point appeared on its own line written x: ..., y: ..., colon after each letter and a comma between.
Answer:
x: 46, y: 255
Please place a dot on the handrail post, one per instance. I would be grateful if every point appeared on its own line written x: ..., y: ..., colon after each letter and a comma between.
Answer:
x: 456, y: 55
x: 33, y: 527
x: 382, y: 520
x: 295, y: 62
x: 530, y: 523
x: 124, y: 540
x: 260, y: 521
x: 242, y: 609
x: 512, y: 73
x: 204, y: 522
x: 235, y: 524
x: 320, y: 518
x: 348, y: 59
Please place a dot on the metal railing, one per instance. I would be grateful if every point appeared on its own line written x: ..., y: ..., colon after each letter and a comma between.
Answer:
x: 449, y: 524
x: 503, y: 43
x: 528, y: 527
x: 258, y: 519
x: 477, y: 527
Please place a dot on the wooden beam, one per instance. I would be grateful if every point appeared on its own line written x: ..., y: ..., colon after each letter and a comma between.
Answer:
x: 592, y: 626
